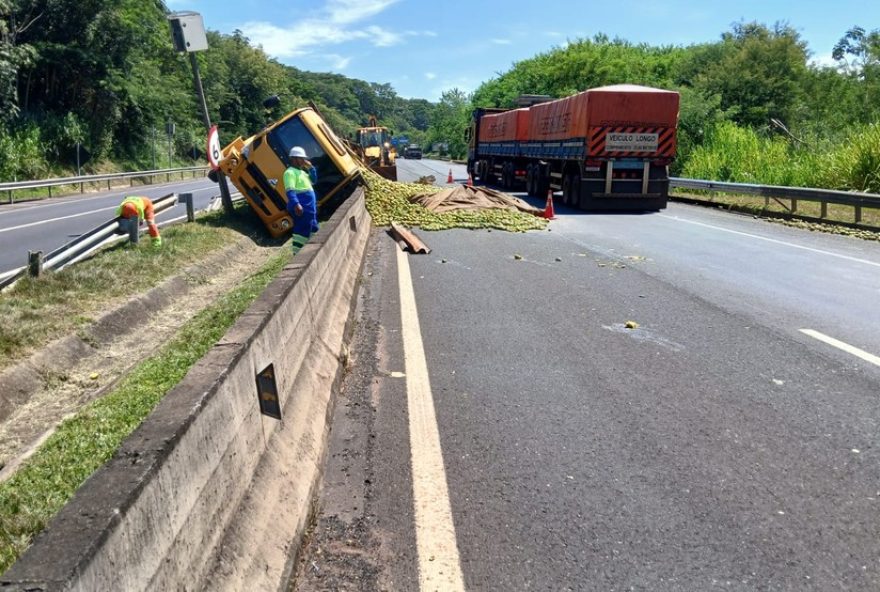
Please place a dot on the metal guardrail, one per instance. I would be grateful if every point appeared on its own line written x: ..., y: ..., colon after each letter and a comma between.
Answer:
x: 85, y: 244
x: 793, y: 194
x: 10, y: 188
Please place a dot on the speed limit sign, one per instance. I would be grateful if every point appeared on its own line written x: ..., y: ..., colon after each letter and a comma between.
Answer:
x: 214, y: 148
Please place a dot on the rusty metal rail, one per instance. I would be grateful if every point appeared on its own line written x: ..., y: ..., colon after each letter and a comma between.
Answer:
x: 408, y: 240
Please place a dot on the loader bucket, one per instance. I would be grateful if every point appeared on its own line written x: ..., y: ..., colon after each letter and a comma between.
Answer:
x: 389, y: 172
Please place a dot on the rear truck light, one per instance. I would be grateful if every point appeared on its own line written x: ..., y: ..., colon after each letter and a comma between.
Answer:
x: 593, y: 166
x: 662, y: 162
x: 519, y: 173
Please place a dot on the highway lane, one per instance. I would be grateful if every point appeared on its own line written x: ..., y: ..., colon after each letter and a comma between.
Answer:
x: 45, y: 225
x: 716, y: 445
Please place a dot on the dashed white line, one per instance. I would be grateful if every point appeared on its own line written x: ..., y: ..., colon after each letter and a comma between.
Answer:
x: 772, y: 240
x: 850, y: 349
x: 39, y: 222
x: 439, y: 564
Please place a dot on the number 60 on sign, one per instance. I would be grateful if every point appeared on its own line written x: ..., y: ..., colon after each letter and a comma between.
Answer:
x: 214, y: 148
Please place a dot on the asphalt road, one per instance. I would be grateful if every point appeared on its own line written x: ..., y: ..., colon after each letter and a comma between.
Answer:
x: 45, y: 225
x: 715, y: 445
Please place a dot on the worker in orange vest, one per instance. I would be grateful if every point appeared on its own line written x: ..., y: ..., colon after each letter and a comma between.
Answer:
x: 135, y: 209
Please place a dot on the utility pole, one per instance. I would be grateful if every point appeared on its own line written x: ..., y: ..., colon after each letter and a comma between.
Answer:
x: 188, y: 35
x: 169, y: 131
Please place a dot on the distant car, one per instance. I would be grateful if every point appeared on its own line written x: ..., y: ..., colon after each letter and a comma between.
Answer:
x: 412, y: 151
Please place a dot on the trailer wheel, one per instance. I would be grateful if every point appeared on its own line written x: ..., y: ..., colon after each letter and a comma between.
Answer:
x: 566, y: 190
x: 530, y: 181
x: 575, y: 191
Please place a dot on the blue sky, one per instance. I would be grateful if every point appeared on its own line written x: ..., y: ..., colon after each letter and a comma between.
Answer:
x: 423, y: 48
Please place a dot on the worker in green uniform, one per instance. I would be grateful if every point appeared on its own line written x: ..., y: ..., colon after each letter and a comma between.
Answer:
x: 301, y: 200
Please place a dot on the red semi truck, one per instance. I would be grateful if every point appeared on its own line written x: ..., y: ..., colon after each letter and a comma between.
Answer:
x: 607, y: 148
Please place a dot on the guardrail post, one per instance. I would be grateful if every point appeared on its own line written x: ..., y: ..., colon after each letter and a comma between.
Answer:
x: 50, y: 191
x: 858, y: 212
x: 794, y: 206
x: 35, y: 263
x: 187, y: 198
x: 11, y: 199
x: 824, y: 213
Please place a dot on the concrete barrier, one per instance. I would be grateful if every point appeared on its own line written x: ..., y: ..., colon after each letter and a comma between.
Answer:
x: 208, y: 493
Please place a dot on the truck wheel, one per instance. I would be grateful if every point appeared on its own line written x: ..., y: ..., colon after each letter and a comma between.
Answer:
x: 530, y: 181
x: 575, y: 191
x: 566, y: 190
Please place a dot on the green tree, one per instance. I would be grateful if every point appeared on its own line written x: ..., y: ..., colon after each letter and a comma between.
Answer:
x: 450, y: 120
x: 757, y: 72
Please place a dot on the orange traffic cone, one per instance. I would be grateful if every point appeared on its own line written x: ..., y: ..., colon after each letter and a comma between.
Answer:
x: 449, y: 179
x: 548, y: 209
x: 470, y: 181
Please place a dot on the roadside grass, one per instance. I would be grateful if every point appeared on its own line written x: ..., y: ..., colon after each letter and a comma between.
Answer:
x: 37, y: 310
x: 82, y: 444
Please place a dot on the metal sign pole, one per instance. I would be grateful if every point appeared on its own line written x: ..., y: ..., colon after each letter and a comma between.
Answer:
x: 225, y: 197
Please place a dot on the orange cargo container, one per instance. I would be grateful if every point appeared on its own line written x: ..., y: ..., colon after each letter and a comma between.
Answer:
x: 623, y: 105
x: 509, y: 126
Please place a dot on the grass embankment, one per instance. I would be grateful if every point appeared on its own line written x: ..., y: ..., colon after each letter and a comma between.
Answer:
x: 85, y: 442
x: 742, y: 155
x: 36, y: 311
x: 388, y: 201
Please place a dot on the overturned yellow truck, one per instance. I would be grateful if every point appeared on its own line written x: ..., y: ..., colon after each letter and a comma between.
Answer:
x: 256, y: 166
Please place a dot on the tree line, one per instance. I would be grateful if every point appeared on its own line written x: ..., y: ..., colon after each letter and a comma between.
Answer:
x: 754, y: 107
x: 103, y: 74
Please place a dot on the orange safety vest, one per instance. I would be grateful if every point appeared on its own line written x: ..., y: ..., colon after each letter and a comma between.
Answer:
x: 140, y: 207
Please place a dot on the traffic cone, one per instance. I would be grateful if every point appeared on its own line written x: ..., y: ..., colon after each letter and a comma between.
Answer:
x: 548, y: 209
x: 470, y: 181
x: 449, y: 179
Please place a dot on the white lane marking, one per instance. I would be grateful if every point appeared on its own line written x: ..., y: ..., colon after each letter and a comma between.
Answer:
x: 439, y: 565
x: 2, y: 230
x: 54, y: 219
x: 772, y: 240
x: 859, y: 353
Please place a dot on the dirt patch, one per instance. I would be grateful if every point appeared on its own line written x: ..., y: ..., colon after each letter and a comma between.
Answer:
x: 138, y: 336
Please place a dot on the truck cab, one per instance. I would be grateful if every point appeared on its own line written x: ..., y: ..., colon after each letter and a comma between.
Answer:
x: 256, y: 166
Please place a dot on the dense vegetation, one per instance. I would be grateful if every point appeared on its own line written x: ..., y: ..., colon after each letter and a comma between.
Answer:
x: 753, y: 106
x: 103, y: 73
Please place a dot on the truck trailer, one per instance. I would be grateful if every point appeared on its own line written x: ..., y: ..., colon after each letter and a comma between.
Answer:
x: 256, y: 166
x: 607, y: 148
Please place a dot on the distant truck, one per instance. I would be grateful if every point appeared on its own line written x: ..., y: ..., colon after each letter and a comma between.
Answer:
x: 256, y: 166
x: 412, y: 151
x: 607, y: 148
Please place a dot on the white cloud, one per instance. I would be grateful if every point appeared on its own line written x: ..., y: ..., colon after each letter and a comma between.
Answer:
x: 330, y: 26
x: 824, y: 61
x: 351, y: 11
x: 382, y: 37
x: 430, y: 75
x: 338, y: 62
x: 501, y: 41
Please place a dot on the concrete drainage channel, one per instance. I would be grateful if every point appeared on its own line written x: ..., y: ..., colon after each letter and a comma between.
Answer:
x: 210, y: 493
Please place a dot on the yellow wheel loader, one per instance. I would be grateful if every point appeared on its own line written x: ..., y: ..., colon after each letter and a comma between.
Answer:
x: 375, y: 149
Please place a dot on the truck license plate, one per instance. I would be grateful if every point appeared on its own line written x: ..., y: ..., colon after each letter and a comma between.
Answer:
x: 617, y: 142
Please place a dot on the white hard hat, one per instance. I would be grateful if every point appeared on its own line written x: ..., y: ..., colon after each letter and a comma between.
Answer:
x: 297, y: 151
